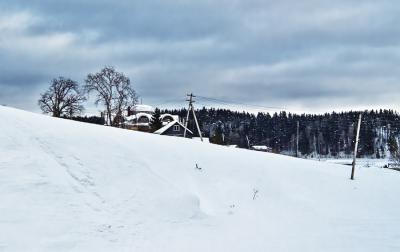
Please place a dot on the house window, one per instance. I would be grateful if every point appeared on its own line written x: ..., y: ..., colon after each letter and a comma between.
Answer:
x: 143, y: 119
x: 176, y: 128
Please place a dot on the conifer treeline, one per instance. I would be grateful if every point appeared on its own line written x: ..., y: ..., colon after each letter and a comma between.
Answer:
x: 330, y: 134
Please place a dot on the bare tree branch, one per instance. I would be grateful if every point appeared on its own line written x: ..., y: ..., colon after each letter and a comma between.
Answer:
x: 62, y: 98
x: 113, y: 90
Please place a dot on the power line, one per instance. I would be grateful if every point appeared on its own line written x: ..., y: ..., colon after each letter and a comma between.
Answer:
x: 230, y: 103
x: 226, y: 102
x: 177, y: 100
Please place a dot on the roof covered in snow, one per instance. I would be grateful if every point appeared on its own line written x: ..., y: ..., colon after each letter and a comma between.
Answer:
x: 137, y: 116
x: 169, y: 125
x: 261, y: 147
x: 175, y: 117
x: 142, y: 108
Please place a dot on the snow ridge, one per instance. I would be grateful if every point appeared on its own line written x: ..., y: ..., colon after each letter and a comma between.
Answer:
x: 71, y: 186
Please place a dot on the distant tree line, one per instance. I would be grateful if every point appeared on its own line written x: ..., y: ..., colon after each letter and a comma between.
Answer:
x: 330, y: 134
x: 88, y: 119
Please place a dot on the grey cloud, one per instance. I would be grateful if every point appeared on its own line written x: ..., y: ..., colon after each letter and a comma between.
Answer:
x: 297, y: 52
x: 172, y: 20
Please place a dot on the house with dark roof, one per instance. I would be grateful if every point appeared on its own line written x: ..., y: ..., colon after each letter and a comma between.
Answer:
x: 174, y: 128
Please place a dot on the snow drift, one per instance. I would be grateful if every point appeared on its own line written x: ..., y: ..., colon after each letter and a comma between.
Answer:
x: 70, y: 186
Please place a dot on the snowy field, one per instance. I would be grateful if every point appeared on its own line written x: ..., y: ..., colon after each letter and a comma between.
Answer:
x: 71, y: 186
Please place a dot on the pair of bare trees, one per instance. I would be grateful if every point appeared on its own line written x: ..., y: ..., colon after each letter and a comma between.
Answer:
x: 112, y: 89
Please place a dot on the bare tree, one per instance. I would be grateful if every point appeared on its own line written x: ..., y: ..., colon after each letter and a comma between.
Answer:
x: 113, y: 89
x: 63, y: 98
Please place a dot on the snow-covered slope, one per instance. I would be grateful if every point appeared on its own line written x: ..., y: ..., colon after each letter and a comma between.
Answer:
x: 70, y: 186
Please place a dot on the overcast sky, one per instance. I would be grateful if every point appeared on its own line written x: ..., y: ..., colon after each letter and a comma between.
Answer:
x: 310, y: 56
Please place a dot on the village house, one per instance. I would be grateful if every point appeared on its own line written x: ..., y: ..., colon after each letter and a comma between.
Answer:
x: 139, y: 117
x: 174, y: 128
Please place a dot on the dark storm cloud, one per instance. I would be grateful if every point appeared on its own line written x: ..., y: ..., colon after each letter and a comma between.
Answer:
x: 295, y: 54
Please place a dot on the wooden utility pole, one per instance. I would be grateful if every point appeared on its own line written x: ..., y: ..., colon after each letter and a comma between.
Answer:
x: 191, y: 108
x: 297, y: 139
x: 356, y: 147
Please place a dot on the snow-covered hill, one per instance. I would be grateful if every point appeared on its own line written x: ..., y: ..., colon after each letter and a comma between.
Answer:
x: 70, y: 186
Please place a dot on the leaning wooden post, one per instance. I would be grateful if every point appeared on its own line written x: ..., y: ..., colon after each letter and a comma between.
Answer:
x: 356, y: 147
x: 197, y: 124
x: 187, y: 116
